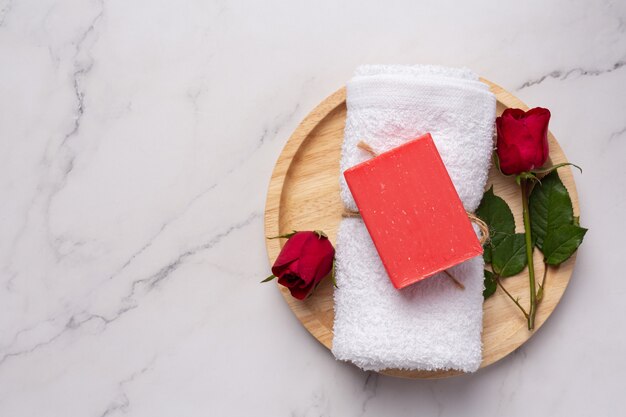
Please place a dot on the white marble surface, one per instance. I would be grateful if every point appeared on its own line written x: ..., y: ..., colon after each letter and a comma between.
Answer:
x: 137, y: 140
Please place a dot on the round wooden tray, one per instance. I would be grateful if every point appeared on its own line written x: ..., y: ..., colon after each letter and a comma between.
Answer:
x: 304, y: 195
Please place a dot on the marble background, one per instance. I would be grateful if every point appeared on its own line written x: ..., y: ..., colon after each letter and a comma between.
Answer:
x: 137, y: 139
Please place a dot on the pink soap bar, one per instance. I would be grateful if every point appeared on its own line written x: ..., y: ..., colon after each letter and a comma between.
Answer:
x: 412, y: 212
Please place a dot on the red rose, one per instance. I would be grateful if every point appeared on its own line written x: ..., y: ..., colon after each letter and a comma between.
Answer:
x: 522, y: 139
x: 304, y: 261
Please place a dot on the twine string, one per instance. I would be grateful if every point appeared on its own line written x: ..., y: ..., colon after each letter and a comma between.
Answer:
x: 482, y: 226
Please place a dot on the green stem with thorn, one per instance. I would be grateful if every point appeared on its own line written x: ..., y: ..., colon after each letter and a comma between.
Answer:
x: 511, y: 297
x: 525, y: 185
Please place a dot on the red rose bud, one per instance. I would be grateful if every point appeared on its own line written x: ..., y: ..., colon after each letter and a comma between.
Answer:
x: 304, y: 261
x: 522, y: 139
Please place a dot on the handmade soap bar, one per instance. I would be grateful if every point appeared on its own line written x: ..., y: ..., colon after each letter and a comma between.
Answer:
x: 412, y: 212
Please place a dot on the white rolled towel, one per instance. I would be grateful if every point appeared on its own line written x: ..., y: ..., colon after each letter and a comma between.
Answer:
x: 432, y: 324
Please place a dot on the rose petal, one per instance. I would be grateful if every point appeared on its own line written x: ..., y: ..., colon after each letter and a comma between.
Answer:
x: 290, y: 252
x: 296, y: 286
x: 522, y: 143
x: 314, y: 260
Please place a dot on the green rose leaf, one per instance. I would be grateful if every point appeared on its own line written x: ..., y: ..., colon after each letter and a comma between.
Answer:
x: 509, y: 256
x: 561, y: 242
x: 550, y: 207
x: 490, y: 284
x: 494, y: 211
x: 487, y: 252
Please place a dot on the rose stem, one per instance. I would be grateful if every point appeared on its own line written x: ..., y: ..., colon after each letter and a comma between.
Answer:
x: 529, y: 255
x: 543, y: 283
x: 545, y: 272
x: 456, y: 281
x: 511, y: 297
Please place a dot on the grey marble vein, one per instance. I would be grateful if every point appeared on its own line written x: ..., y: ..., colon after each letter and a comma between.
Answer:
x: 159, y: 232
x: 122, y: 403
x: 75, y: 322
x: 440, y: 405
x: 129, y: 302
x: 617, y: 134
x: 165, y: 272
x: 369, y: 388
x: 270, y: 133
x: 62, y: 160
x: 565, y: 74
